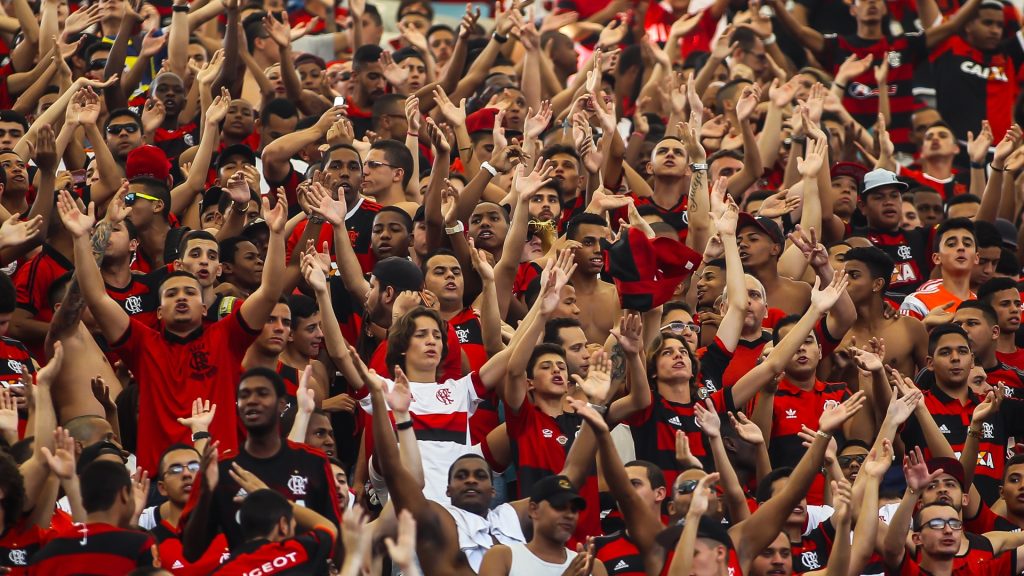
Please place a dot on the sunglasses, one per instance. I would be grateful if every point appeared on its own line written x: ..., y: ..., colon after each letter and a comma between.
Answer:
x: 678, y: 327
x: 845, y: 461
x: 941, y: 523
x: 131, y: 197
x: 686, y: 487
x: 176, y: 469
x: 115, y: 129
x: 376, y: 164
x: 98, y: 64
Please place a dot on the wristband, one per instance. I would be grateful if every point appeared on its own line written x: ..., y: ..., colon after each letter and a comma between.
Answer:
x: 993, y: 167
x: 824, y: 435
x: 840, y: 86
x: 313, y: 219
x: 499, y: 38
x: 974, y: 433
x: 485, y: 165
x: 978, y: 165
x: 598, y: 408
x: 178, y: 8
x: 457, y: 229
x: 404, y: 425
x: 239, y: 207
x: 695, y: 166
x: 769, y: 40
x: 197, y: 436
x: 413, y: 134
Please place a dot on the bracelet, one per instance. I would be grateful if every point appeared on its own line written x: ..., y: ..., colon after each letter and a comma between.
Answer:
x: 695, y: 166
x: 978, y: 165
x: 239, y: 207
x: 801, y: 140
x: 457, y: 229
x: 974, y: 433
x: 178, y: 8
x: 840, y: 86
x: 413, y: 134
x: 769, y: 40
x: 598, y: 408
x: 499, y: 38
x: 197, y: 436
x: 824, y: 435
x: 313, y: 219
x: 911, y: 490
x: 404, y: 425
x: 993, y: 167
x: 485, y: 165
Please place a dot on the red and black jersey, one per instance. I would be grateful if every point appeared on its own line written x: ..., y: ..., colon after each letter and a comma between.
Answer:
x: 619, y: 554
x: 299, y: 473
x: 172, y: 557
x: 305, y: 554
x: 173, y: 371
x: 971, y: 85
x: 471, y: 339
x: 955, y: 185
x: 1008, y: 378
x: 654, y: 431
x: 979, y: 551
x: 290, y: 183
x: 744, y: 358
x: 222, y: 307
x: 953, y: 419
x: 290, y: 375
x: 861, y: 95
x: 105, y: 549
x: 139, y: 299
x: 525, y: 275
x: 1014, y: 359
x: 795, y: 408
x: 32, y: 283
x: 676, y: 215
x: 358, y: 222
x: 1000, y: 565
x: 911, y: 250
x: 17, y: 356
x: 812, y: 552
x: 174, y: 142
x: 18, y: 544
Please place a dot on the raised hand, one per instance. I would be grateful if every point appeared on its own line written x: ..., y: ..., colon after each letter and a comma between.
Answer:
x: 853, y: 67
x: 779, y: 204
x: 245, y: 479
x: 599, y: 378
x: 988, y: 407
x: 811, y: 163
x: 728, y: 221
x: 202, y: 415
x: 684, y: 455
x: 403, y: 551
x: 528, y: 185
x: 153, y: 114
x: 305, y: 397
x: 878, y: 461
x: 977, y: 147
x: 841, y: 502
x: 62, y: 460
x: 832, y: 419
x: 84, y: 109
x: 536, y: 122
x: 454, y: 115
x: 700, y: 501
x: 101, y: 392
x: 218, y: 109
x: 823, y: 299
x: 747, y: 430
x: 437, y: 138
x: 902, y: 406
x: 75, y: 222
x: 313, y: 274
x: 708, y: 419
x: 864, y: 360
x: 140, y: 489
x: 14, y: 232
x: 613, y: 34
x: 332, y: 210
x: 781, y: 95
x: 393, y: 73
x: 280, y: 32
x: 8, y: 414
x: 1006, y: 147
x: 208, y: 467
x: 480, y: 262
x: 45, y: 152
x: 399, y: 397
x: 588, y: 414
x: 630, y: 333
x: 277, y: 216
x: 152, y: 44
x: 916, y: 470
x: 749, y: 98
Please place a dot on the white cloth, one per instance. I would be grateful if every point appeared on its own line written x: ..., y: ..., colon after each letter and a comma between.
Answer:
x: 477, y: 534
x: 525, y: 563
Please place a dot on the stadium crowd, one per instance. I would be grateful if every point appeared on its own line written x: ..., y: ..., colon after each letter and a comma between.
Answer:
x: 570, y: 288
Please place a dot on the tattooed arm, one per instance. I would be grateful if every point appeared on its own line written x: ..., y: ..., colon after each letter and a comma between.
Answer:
x: 698, y: 206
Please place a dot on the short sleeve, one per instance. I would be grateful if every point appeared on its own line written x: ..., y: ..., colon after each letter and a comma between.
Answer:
x: 984, y: 521
x: 136, y: 337
x: 917, y: 46
x: 236, y: 334
x: 318, y: 544
x: 518, y: 423
x: 23, y: 288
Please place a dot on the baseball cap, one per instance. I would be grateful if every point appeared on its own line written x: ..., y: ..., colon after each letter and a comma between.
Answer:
x: 557, y: 491
x: 211, y: 197
x: 307, y: 57
x: 1008, y: 231
x: 707, y: 528
x: 766, y: 225
x: 236, y: 150
x: 880, y: 177
x: 481, y: 121
x: 851, y: 169
x: 949, y: 466
x: 147, y: 161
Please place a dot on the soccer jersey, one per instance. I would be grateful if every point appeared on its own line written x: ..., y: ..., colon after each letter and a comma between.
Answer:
x: 358, y: 222
x: 32, y: 284
x: 305, y: 554
x: 947, y: 187
x: 931, y: 295
x: 105, y: 549
x: 18, y: 543
x: 910, y: 250
x: 620, y: 555
x: 469, y: 332
x: 172, y: 371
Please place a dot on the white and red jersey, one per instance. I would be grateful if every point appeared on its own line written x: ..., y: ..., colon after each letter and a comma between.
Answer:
x: 931, y: 295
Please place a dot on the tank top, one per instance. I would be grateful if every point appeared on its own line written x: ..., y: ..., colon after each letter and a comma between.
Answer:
x: 525, y: 563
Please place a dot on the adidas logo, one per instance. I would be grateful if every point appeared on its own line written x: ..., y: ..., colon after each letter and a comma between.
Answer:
x: 791, y: 414
x: 944, y: 430
x: 621, y: 565
x: 177, y: 565
x: 675, y: 421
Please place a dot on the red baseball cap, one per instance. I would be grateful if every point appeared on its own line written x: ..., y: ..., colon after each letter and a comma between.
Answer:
x: 147, y: 161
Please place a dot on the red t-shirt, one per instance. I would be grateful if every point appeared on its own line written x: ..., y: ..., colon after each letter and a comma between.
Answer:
x: 173, y: 371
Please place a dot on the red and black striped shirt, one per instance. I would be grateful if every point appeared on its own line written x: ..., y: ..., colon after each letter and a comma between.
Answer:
x: 105, y: 549
x: 305, y: 554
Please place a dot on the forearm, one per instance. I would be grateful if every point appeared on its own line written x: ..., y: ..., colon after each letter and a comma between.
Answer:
x: 735, y: 498
x: 26, y: 102
x: 969, y: 455
x: 177, y: 41
x: 706, y: 74
x: 470, y: 195
x: 299, y: 427
x: 699, y: 210
x: 752, y: 167
x: 184, y: 194
x: 894, y: 545
x: 409, y: 448
x: 277, y: 155
x: 993, y: 194
x: 228, y: 75
x: 113, y: 94
x: 770, y: 139
x: 490, y: 318
x: 131, y: 79
x: 348, y: 265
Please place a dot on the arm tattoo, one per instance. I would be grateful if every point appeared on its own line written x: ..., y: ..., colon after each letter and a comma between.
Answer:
x: 70, y: 312
x: 618, y: 358
x: 100, y: 240
x: 695, y: 182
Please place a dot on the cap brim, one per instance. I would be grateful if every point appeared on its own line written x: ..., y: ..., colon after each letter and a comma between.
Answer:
x: 562, y: 498
x: 901, y: 185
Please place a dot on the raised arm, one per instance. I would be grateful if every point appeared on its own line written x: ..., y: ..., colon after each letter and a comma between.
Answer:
x: 338, y: 350
x: 682, y: 561
x: 711, y: 424
x: 731, y: 326
x: 954, y: 24
x: 333, y: 211
x: 111, y: 318
x: 629, y: 336
x: 258, y: 306
x: 805, y: 35
x: 752, y: 166
x: 918, y: 478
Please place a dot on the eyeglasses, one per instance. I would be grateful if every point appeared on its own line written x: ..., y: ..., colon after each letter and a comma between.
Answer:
x: 941, y: 523
x: 678, y: 327
x: 131, y: 197
x: 845, y: 461
x: 98, y: 64
x: 115, y: 129
x: 686, y: 487
x: 176, y: 469
x: 376, y: 164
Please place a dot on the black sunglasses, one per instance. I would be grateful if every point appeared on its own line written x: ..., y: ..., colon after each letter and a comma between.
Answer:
x: 845, y: 461
x: 115, y: 129
x: 98, y: 64
x: 687, y: 487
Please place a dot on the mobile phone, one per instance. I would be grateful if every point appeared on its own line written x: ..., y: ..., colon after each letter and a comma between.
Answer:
x: 339, y: 101
x: 78, y: 177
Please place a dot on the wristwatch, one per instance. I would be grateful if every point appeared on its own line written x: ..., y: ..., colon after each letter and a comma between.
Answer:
x: 598, y: 408
x: 485, y: 165
x: 695, y: 166
x: 457, y: 229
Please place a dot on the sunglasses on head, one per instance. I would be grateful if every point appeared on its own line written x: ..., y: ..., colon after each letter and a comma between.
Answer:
x: 131, y: 197
x: 845, y: 461
x: 98, y: 64
x: 115, y: 129
x: 686, y: 487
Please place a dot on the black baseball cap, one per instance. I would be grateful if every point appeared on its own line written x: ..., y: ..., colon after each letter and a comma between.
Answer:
x: 766, y: 225
x: 236, y: 150
x: 557, y: 491
x: 707, y: 528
